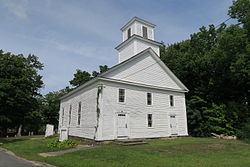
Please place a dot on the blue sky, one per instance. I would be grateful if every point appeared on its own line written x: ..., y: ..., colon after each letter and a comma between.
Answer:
x: 69, y: 35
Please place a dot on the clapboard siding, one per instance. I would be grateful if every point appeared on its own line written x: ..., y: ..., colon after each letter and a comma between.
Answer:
x: 125, y: 32
x: 150, y: 30
x: 137, y: 109
x: 87, y: 97
x: 127, y: 51
x: 136, y: 28
x: 142, y: 45
x: 144, y: 70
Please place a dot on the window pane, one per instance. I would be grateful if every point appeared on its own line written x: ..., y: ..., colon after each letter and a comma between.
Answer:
x: 79, y: 113
x: 62, y: 115
x: 149, y: 120
x: 145, y: 32
x: 171, y: 100
x: 121, y: 95
x: 129, y: 32
x: 149, y: 98
x: 70, y: 114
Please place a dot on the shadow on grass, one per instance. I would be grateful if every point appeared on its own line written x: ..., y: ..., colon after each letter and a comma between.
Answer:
x: 12, y: 140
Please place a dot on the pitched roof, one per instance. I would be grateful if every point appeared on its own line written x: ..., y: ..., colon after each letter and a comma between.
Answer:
x: 102, y: 75
x: 139, y: 20
x: 155, y: 56
x: 134, y: 36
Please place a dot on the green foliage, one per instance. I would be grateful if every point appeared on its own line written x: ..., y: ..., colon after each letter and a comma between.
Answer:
x: 50, y: 106
x: 217, y: 121
x: 64, y: 144
x: 195, y: 109
x: 240, y: 10
x: 215, y: 65
x: 19, y: 87
x: 81, y: 77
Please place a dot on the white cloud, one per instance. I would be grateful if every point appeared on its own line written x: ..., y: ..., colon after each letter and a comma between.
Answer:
x: 18, y: 8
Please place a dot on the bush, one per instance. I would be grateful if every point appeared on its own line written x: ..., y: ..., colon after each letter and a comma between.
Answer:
x: 64, y: 144
x: 244, y: 133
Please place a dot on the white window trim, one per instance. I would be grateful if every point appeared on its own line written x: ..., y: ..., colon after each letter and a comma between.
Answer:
x: 70, y: 114
x: 146, y: 32
x: 62, y: 117
x: 77, y: 124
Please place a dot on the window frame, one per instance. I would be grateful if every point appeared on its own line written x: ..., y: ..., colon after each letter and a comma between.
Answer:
x: 149, y: 99
x: 79, y: 113
x: 62, y: 115
x: 145, y: 33
x: 150, y: 120
x: 171, y: 100
x: 70, y: 110
x: 119, y: 95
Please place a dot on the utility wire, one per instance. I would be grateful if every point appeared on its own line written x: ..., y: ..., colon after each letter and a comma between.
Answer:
x: 158, y: 61
x: 140, y: 70
x: 223, y: 22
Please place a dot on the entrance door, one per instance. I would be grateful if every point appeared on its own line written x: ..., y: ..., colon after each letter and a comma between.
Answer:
x: 122, y: 125
x: 173, y: 125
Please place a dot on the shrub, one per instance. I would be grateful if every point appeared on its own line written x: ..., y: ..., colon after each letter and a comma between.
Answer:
x: 64, y: 144
x: 244, y: 133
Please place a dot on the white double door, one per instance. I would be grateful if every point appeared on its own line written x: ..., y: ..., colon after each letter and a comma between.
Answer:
x: 122, y: 125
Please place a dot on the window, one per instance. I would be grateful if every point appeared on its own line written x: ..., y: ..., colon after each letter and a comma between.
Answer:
x: 79, y: 113
x: 171, y: 100
x: 122, y: 95
x: 62, y: 115
x: 150, y: 120
x: 129, y: 32
x: 70, y: 107
x: 149, y: 98
x: 144, y: 32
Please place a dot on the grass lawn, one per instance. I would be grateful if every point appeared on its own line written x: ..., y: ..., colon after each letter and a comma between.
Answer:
x: 181, y: 152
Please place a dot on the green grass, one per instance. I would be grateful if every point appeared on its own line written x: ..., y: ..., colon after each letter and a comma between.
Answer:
x: 181, y: 152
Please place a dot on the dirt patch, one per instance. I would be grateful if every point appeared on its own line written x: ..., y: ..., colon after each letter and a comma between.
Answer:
x: 168, y: 138
x: 204, y: 148
x: 56, y: 153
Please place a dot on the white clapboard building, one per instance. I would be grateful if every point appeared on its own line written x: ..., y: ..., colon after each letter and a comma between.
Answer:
x: 138, y: 98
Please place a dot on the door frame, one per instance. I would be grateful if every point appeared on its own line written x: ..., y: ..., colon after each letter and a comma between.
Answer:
x: 176, y: 122
x: 127, y: 122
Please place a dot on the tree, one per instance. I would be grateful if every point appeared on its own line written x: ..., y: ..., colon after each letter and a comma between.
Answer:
x: 101, y: 69
x: 19, y: 87
x: 81, y: 77
x: 215, y: 65
x: 51, y: 105
x: 240, y: 10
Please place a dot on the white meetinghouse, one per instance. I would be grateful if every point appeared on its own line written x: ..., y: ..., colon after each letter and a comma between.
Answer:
x: 138, y: 98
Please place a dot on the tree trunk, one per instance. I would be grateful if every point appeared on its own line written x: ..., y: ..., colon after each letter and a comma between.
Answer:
x: 19, y: 132
x: 3, y: 132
